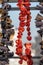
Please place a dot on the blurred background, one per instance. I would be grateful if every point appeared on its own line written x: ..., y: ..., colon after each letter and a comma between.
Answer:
x: 35, y: 36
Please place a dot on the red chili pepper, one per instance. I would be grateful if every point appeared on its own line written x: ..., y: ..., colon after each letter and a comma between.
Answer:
x: 28, y: 28
x: 25, y: 18
x: 19, y: 46
x: 28, y: 20
x: 29, y: 56
x: 21, y: 29
x: 27, y: 51
x: 29, y: 33
x: 28, y: 45
x: 27, y: 23
x: 22, y: 18
x: 29, y: 62
x: 23, y: 9
x: 28, y: 13
x: 18, y: 41
x: 27, y: 4
x: 19, y: 50
x: 29, y: 17
x: 29, y: 38
x: 25, y: 58
x: 23, y: 13
x: 19, y: 36
x: 21, y: 61
x: 20, y: 33
x: 22, y: 24
x: 19, y: 0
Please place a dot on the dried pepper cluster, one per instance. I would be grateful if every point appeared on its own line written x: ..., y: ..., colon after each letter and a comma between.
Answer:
x: 25, y: 18
x: 5, y: 34
x: 39, y: 24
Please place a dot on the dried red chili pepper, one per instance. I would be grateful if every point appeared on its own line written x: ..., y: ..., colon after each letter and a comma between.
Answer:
x: 29, y: 62
x: 19, y: 36
x: 29, y: 38
x: 25, y: 18
x: 28, y: 29
x: 18, y: 41
x: 20, y: 33
x: 21, y: 29
x: 25, y: 58
x: 27, y: 23
x: 19, y: 46
x: 21, y: 18
x: 28, y: 45
x: 27, y: 51
x: 20, y: 61
x: 29, y: 33
x: 22, y: 24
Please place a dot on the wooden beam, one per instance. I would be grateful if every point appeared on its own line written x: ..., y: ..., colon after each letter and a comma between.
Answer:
x: 16, y: 8
x: 15, y: 1
x: 31, y: 8
x: 34, y: 57
x: 30, y: 1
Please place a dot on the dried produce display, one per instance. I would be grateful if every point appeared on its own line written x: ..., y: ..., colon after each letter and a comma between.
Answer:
x: 5, y: 34
x: 25, y: 19
x: 39, y: 24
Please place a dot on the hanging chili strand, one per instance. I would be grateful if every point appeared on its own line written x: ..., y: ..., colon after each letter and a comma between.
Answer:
x: 25, y: 18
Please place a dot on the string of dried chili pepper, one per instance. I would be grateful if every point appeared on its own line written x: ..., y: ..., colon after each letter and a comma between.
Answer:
x: 25, y: 18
